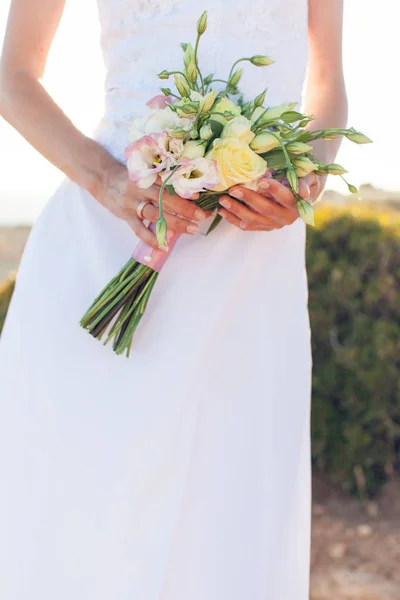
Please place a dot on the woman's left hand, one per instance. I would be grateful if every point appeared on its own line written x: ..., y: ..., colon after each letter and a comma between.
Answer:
x: 273, y: 207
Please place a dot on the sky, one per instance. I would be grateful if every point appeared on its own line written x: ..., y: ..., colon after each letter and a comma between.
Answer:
x: 75, y: 72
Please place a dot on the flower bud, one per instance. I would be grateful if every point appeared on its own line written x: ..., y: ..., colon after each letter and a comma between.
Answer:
x: 306, y: 211
x: 264, y: 142
x: 207, y: 101
x: 259, y: 100
x: 304, y: 166
x: 194, y: 149
x: 353, y: 189
x: 192, y: 72
x: 188, y: 57
x: 202, y: 23
x: 206, y: 132
x: 292, y: 179
x: 357, y: 137
x: 194, y: 134
x: 298, y: 148
x: 261, y: 61
x: 161, y: 231
x: 236, y: 77
x: 166, y: 91
x: 163, y: 75
x: 335, y: 169
x: 181, y: 86
x: 179, y: 134
x: 184, y: 46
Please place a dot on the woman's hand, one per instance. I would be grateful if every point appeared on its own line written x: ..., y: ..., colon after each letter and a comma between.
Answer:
x: 122, y: 197
x: 272, y: 207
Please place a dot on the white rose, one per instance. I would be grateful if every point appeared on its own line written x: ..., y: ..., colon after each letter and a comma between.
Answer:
x: 239, y: 128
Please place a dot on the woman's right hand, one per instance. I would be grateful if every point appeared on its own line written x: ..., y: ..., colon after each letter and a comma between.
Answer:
x: 122, y: 197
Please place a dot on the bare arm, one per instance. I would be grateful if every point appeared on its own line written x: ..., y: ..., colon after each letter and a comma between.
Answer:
x: 325, y: 88
x: 27, y: 106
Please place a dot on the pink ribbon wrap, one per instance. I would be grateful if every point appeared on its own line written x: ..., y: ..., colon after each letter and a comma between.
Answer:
x: 150, y: 257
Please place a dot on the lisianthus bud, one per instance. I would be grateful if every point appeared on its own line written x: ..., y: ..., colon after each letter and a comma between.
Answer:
x: 207, y: 102
x: 166, y: 91
x: 261, y: 61
x: 194, y: 149
x: 264, y: 142
x: 304, y: 166
x: 236, y: 77
x: 163, y: 75
x: 161, y: 231
x: 179, y: 134
x: 202, y: 23
x: 181, y: 86
x: 189, y: 55
x: 259, y: 100
x: 335, y: 169
x: 272, y: 113
x: 206, y: 132
x: 292, y: 179
x: 306, y: 211
x: 298, y: 148
x: 194, y: 134
x: 192, y: 72
x: 353, y: 189
x: 184, y: 46
x: 357, y: 137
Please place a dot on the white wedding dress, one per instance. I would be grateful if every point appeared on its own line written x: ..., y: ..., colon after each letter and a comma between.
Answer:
x: 183, y: 472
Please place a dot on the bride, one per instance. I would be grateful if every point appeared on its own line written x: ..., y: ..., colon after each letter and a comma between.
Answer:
x: 183, y: 472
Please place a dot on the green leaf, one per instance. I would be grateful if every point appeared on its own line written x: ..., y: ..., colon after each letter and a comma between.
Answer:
x: 170, y: 189
x: 274, y: 159
x: 291, y: 116
x: 216, y: 126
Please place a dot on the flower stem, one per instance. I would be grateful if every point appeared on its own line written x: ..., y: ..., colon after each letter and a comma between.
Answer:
x: 197, y: 63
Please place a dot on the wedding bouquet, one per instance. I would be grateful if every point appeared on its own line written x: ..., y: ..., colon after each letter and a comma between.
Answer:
x: 200, y: 141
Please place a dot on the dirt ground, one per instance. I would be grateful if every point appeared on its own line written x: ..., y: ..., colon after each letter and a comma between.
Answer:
x: 357, y: 538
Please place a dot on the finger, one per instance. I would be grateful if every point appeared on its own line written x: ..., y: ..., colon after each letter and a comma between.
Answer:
x: 280, y: 193
x: 145, y: 234
x: 186, y: 208
x: 304, y: 188
x: 231, y: 218
x: 263, y: 205
x: 176, y: 223
x: 247, y: 215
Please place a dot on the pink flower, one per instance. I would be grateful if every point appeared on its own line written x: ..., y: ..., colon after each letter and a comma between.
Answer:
x: 145, y: 159
x: 171, y: 149
x: 193, y: 176
x: 160, y: 101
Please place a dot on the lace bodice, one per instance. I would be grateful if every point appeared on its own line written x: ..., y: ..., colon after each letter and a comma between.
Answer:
x: 140, y: 38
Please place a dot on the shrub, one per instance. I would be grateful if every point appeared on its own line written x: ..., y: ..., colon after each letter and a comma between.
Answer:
x: 354, y: 277
x: 6, y: 291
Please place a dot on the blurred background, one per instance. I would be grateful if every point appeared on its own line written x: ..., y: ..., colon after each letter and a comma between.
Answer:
x: 354, y: 274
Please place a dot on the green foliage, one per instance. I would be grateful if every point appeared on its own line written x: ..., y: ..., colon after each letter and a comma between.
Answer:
x: 354, y: 278
x: 6, y: 291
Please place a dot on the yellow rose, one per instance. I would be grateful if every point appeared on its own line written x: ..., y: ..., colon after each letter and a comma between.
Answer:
x: 236, y: 163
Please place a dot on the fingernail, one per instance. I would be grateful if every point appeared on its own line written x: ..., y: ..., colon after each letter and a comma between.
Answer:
x: 192, y: 229
x: 164, y: 248
x: 263, y: 184
x: 243, y: 224
x: 236, y: 194
x: 225, y: 203
x: 200, y: 215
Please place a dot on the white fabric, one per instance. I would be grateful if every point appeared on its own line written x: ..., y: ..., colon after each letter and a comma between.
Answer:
x: 182, y: 473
